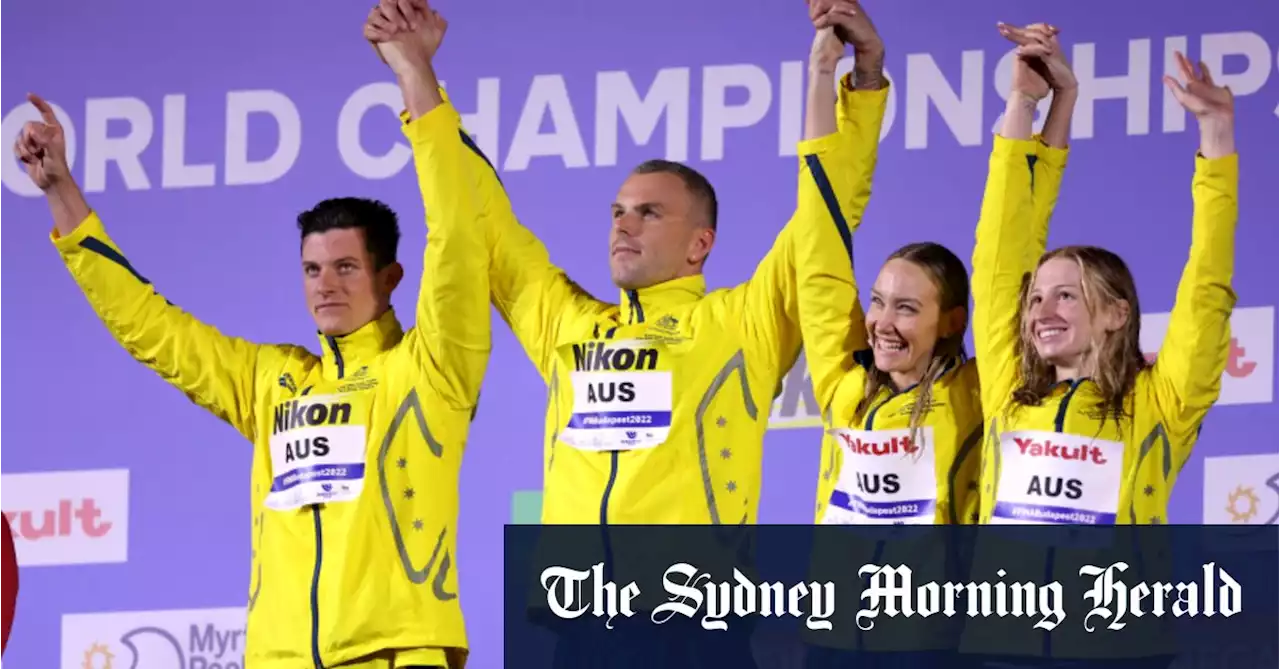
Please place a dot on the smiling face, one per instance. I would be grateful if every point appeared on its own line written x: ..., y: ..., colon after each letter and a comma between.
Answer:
x: 903, y: 319
x: 1061, y: 326
x: 1070, y: 314
x: 1080, y: 320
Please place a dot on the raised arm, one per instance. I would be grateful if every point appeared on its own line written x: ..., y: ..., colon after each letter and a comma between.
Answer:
x: 215, y: 371
x: 1188, y: 370
x: 813, y: 252
x: 531, y: 294
x: 451, y: 338
x: 837, y: 161
x: 1023, y: 180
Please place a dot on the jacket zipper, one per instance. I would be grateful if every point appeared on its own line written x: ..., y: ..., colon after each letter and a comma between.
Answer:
x: 636, y: 314
x: 315, y: 593
x: 604, y: 515
x: 1059, y: 424
x: 315, y: 514
x: 868, y: 425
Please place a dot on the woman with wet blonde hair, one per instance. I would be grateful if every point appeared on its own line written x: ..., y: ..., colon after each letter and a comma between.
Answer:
x: 1080, y: 429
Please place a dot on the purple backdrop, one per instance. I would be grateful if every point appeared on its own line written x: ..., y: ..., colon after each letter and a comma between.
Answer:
x: 152, y: 92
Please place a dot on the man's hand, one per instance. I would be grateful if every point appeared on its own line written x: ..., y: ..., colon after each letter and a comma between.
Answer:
x: 42, y: 147
x: 1040, y: 65
x: 405, y: 34
x: 851, y: 22
x: 854, y: 27
x: 1213, y: 106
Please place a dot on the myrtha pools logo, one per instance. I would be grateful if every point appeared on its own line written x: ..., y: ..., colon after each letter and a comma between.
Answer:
x: 186, y: 639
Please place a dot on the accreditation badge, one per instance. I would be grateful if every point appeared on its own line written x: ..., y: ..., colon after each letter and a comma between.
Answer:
x: 1056, y: 478
x: 885, y: 478
x: 622, y: 395
x: 317, y: 451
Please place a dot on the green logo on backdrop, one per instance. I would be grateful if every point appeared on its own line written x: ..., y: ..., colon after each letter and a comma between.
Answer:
x: 526, y: 507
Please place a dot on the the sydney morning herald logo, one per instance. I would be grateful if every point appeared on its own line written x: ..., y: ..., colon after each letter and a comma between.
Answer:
x: 891, y: 592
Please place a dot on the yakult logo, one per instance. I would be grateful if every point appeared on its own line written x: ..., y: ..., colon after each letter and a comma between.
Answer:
x: 1250, y: 362
x: 69, y: 518
x: 1048, y: 449
x: 60, y: 518
x: 186, y: 639
x: 891, y: 446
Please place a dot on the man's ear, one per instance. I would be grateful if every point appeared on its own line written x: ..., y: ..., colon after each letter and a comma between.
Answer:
x: 700, y: 248
x: 390, y: 276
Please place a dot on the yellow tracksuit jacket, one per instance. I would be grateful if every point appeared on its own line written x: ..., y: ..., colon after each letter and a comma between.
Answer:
x: 375, y: 426
x: 1061, y: 462
x: 937, y: 486
x: 658, y: 405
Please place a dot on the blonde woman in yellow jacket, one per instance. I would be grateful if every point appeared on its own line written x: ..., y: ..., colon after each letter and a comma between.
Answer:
x: 1080, y: 429
x: 898, y: 395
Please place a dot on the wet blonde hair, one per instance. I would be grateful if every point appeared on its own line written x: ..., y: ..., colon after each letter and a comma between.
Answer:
x: 950, y: 277
x: 1116, y: 357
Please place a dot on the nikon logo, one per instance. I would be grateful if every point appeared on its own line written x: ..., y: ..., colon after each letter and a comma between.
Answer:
x: 595, y: 356
x: 300, y: 413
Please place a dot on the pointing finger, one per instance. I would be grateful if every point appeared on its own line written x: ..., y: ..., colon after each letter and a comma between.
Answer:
x: 46, y: 111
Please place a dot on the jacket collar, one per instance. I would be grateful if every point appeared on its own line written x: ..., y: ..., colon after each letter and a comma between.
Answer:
x: 951, y: 365
x: 640, y: 303
x: 343, y: 354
